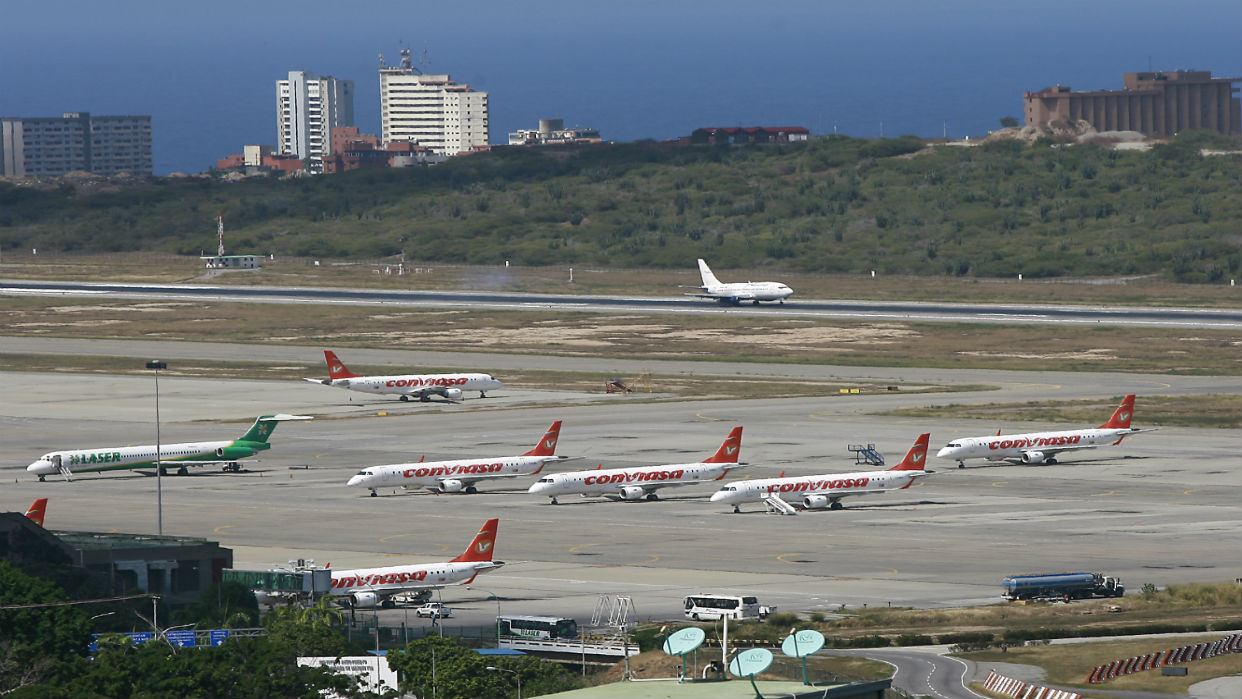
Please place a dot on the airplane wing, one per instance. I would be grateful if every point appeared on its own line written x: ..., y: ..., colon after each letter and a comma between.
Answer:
x: 725, y: 297
x: 427, y: 391
x: 1049, y: 451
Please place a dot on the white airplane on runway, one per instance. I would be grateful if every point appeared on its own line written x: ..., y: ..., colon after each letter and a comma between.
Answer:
x: 182, y: 455
x: 371, y: 587
x: 643, y: 481
x: 737, y: 292
x: 461, y: 475
x: 1043, y: 447
x: 407, y: 386
x: 826, y: 490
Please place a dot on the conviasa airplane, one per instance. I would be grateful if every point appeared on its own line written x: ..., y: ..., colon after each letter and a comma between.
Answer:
x: 643, y: 481
x: 370, y: 587
x: 826, y: 490
x: 182, y: 455
x: 461, y: 475
x: 37, y: 510
x: 1043, y: 447
x: 407, y: 386
x: 737, y: 292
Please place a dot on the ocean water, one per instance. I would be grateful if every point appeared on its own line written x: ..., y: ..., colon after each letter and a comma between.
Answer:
x: 636, y: 70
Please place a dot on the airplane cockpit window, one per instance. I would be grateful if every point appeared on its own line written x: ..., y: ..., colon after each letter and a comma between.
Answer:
x: 953, y: 444
x: 364, y: 473
x: 545, y: 480
x: 729, y: 488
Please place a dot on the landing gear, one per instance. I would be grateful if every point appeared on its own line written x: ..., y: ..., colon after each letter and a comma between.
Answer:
x: 1050, y: 460
x: 836, y: 505
x: 652, y: 497
x: 42, y: 479
x: 554, y: 502
x: 737, y: 510
x: 482, y: 394
x: 424, y: 399
x: 756, y: 302
x: 233, y: 467
x: 471, y: 490
x: 961, y: 464
x: 404, y: 398
x: 374, y: 494
x: 183, y: 471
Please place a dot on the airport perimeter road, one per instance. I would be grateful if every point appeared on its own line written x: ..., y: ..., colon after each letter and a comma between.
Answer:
x: 1161, y: 508
x: 1224, y: 318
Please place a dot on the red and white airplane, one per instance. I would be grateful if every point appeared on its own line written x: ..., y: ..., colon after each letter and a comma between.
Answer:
x: 406, y: 386
x: 37, y: 510
x: 1043, y: 447
x: 371, y: 587
x: 643, y: 481
x: 461, y: 475
x: 826, y: 490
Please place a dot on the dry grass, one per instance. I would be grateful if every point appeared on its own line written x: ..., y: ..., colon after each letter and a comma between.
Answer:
x: 1070, y: 664
x: 1210, y: 410
x: 593, y: 280
x: 655, y: 336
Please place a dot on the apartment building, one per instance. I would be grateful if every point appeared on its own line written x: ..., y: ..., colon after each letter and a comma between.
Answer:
x: 75, y: 142
x: 431, y: 110
x: 307, y: 109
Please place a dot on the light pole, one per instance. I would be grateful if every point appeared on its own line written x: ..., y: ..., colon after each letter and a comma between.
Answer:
x: 515, y: 674
x: 159, y: 461
x: 491, y: 595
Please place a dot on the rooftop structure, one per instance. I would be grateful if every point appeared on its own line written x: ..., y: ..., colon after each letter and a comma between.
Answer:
x: 553, y: 131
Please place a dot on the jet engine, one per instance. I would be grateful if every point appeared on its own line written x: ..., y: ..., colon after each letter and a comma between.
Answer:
x: 365, y: 600
x: 452, y: 485
x: 452, y: 393
x: 1032, y: 457
x: 219, y: 451
x: 632, y: 492
x: 819, y: 502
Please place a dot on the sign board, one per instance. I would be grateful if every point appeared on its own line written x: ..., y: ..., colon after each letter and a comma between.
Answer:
x: 372, y: 670
x: 218, y: 636
x: 181, y: 639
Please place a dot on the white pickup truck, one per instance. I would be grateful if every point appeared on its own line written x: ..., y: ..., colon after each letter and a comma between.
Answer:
x: 434, y: 610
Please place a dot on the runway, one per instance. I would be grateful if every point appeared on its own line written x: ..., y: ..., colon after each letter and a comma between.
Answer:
x: 1224, y: 318
x: 1161, y: 508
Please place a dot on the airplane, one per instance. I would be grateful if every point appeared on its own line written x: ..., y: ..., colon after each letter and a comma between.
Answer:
x: 184, y: 454
x: 737, y: 292
x: 826, y: 490
x: 371, y: 587
x: 1043, y: 447
x: 643, y: 481
x: 407, y: 386
x: 37, y: 510
x: 461, y: 475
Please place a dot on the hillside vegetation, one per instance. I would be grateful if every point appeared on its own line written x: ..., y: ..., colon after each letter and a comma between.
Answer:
x: 834, y: 204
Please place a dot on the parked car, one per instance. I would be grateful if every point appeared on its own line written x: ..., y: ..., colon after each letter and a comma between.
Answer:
x: 434, y: 610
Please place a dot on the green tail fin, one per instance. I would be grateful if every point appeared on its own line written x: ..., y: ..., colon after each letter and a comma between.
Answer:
x: 260, y: 430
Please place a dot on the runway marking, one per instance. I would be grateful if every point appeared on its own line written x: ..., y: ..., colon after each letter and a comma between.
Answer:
x: 220, y: 529
x: 1100, y: 495
x: 652, y: 558
x: 386, y: 539
x: 998, y: 484
x: 575, y: 549
x: 701, y: 416
x: 781, y: 558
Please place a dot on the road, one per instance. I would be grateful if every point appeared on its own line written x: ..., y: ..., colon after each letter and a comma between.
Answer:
x: 1224, y: 318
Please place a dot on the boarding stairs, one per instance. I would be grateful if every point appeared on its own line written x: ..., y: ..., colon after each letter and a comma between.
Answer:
x: 866, y: 453
x: 778, y: 506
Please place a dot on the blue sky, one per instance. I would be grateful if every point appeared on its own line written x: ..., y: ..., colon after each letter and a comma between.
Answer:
x: 634, y: 69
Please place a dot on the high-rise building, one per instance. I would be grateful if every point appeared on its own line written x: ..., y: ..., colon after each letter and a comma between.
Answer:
x: 1156, y: 104
x: 430, y: 110
x: 77, y: 141
x: 307, y: 109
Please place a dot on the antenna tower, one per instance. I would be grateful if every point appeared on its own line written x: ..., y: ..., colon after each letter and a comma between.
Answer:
x: 220, y: 235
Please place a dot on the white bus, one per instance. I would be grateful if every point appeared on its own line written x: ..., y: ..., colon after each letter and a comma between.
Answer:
x: 705, y: 606
x: 536, y: 628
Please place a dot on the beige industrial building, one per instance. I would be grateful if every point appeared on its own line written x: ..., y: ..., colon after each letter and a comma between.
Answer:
x: 1155, y: 104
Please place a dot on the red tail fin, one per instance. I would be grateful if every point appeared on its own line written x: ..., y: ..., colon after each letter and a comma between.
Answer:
x: 915, y: 458
x: 1121, y: 416
x: 481, y: 548
x: 729, y: 450
x: 37, y: 510
x: 547, y: 445
x: 336, y: 368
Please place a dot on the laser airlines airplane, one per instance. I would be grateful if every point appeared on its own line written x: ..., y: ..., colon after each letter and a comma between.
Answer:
x: 644, y: 481
x: 818, y: 492
x: 737, y: 292
x: 461, y: 475
x: 407, y: 386
x: 370, y: 587
x: 184, y: 454
x: 1043, y: 447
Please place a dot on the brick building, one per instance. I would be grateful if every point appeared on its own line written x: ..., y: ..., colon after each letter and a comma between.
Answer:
x: 1155, y: 104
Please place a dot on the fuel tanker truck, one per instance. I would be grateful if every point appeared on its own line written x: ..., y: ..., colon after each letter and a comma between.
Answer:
x: 1063, y: 586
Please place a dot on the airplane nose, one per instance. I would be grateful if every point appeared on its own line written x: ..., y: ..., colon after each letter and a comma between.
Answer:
x: 41, y: 468
x: 537, y: 488
x: 355, y: 480
x: 944, y: 452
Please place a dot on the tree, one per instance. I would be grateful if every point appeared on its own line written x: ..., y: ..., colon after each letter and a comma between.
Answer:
x: 313, y: 630
x: 34, y: 640
x: 1008, y: 122
x: 222, y: 605
x: 458, y: 672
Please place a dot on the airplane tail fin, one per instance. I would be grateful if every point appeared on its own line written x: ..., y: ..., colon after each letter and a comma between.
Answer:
x: 481, y: 548
x: 37, y: 510
x: 547, y: 445
x: 263, y: 427
x: 729, y: 450
x: 337, y: 368
x: 1121, y: 416
x: 705, y: 272
x: 915, y: 458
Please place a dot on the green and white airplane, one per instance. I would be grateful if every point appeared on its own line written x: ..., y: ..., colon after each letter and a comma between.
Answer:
x: 182, y: 455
